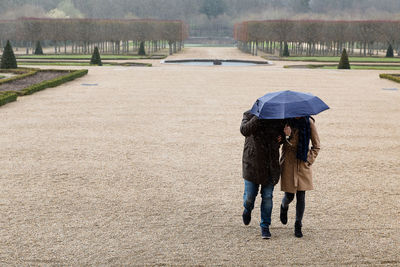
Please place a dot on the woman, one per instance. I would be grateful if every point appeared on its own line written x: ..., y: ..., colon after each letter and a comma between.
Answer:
x: 296, y: 162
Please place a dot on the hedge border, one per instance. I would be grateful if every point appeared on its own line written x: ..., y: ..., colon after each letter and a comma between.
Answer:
x: 319, y: 66
x: 135, y: 57
x: 7, y: 97
x: 54, y: 82
x: 17, y: 71
x: 10, y: 96
x: 392, y: 77
x: 275, y: 58
x: 23, y: 74
x: 105, y: 63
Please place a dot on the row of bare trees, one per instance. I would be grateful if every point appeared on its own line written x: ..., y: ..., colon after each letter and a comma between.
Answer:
x: 317, y: 37
x: 82, y: 35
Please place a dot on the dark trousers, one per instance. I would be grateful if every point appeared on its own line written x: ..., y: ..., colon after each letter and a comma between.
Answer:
x: 300, y: 203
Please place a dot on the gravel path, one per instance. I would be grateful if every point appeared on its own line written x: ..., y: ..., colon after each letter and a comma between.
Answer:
x: 145, y: 169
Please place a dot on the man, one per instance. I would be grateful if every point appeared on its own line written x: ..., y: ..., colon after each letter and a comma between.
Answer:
x: 261, y: 165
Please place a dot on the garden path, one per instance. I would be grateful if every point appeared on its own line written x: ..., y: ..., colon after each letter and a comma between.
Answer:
x: 145, y: 168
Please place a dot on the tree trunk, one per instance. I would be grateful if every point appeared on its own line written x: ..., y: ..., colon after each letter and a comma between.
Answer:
x: 170, y: 47
x: 365, y: 48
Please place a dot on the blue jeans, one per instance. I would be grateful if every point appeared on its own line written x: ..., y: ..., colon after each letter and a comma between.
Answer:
x: 249, y: 197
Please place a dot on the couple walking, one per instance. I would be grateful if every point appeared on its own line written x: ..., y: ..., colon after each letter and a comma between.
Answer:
x: 262, y: 168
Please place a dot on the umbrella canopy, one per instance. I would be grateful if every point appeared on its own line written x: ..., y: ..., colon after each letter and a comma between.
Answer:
x: 287, y: 104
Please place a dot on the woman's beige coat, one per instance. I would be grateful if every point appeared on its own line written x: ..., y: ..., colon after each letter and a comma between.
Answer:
x: 296, y: 175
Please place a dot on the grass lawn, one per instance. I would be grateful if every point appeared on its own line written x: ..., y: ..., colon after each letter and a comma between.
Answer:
x: 209, y: 45
x: 44, y: 63
x: 60, y: 64
x: 367, y: 67
x: 87, y: 57
x: 353, y: 67
x: 357, y: 67
x: 351, y: 59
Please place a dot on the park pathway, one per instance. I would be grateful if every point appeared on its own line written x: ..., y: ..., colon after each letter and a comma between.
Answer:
x: 143, y: 167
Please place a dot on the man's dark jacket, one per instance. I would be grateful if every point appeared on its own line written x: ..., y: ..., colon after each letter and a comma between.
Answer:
x: 261, y: 149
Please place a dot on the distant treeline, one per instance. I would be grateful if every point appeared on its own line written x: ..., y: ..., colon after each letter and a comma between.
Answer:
x: 204, y: 17
x: 85, y: 33
x: 186, y: 9
x: 312, y: 37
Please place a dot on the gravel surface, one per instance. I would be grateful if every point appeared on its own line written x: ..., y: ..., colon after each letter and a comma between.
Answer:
x: 145, y: 169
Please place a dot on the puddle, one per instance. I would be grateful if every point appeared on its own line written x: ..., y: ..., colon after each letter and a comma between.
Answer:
x: 390, y: 89
x: 89, y: 84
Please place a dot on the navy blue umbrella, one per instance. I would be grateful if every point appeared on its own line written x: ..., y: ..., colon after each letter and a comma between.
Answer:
x: 287, y: 104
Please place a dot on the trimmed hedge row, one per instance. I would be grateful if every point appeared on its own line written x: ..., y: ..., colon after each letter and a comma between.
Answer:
x: 7, y: 97
x: 76, y: 57
x: 23, y: 74
x: 17, y: 71
x: 72, y: 75
x: 392, y: 77
x: 80, y: 63
x: 10, y: 96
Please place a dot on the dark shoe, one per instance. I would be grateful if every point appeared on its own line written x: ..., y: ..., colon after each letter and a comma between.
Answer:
x: 297, y: 230
x: 265, y: 234
x: 246, y: 217
x: 284, y: 214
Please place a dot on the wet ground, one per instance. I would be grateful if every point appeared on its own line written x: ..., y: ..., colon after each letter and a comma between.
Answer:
x: 145, y: 169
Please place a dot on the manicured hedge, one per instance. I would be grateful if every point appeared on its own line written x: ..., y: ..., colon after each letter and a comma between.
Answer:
x: 7, y: 97
x: 72, y: 75
x: 80, y: 63
x: 10, y: 96
x: 23, y: 74
x: 393, y: 77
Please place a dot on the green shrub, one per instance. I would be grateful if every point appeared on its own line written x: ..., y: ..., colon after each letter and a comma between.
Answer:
x: 96, y: 59
x: 7, y: 97
x: 53, y: 83
x: 38, y: 50
x: 21, y: 70
x: 392, y: 77
x: 389, y: 52
x: 21, y: 75
x: 8, y: 60
x: 344, y: 60
x: 142, y: 52
x: 10, y: 96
